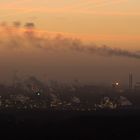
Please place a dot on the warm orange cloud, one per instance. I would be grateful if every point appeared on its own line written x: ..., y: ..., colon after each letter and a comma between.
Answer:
x: 82, y: 7
x: 21, y: 10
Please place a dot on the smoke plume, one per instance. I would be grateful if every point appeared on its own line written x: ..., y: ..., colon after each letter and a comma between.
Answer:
x: 29, y: 36
x: 108, y: 51
x: 30, y: 51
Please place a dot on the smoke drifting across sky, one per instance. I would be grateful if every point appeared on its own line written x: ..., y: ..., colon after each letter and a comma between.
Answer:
x: 27, y: 48
x: 16, y: 38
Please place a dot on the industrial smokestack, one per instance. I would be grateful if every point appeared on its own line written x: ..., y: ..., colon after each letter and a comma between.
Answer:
x: 130, y: 81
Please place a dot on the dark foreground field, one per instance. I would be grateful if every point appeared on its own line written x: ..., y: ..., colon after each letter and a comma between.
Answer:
x: 69, y: 124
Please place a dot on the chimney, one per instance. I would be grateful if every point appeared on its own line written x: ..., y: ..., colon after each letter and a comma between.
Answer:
x: 130, y: 81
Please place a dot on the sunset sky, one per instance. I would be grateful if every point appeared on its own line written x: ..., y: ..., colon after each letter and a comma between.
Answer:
x: 115, y: 22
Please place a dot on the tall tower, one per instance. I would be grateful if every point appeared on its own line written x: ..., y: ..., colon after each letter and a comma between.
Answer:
x: 130, y: 81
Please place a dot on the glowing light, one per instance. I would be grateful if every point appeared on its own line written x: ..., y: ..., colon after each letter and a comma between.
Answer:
x: 38, y: 94
x: 117, y: 84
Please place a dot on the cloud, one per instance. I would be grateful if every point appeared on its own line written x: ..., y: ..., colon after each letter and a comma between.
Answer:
x: 83, y: 7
